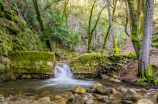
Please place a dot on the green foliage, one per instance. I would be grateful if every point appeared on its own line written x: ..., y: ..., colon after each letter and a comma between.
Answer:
x: 2, y: 5
x: 155, y: 42
x: 142, y: 80
x: 12, y: 30
x: 60, y: 30
x: 32, y: 42
x: 156, y: 73
x: 1, y: 32
x: 146, y: 75
x: 155, y: 81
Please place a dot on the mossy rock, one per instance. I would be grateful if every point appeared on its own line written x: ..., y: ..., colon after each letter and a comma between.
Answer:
x: 27, y: 61
x: 88, y: 62
x: 125, y: 55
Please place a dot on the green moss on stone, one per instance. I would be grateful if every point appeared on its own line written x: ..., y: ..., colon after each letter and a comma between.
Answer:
x: 130, y: 54
x: 88, y: 62
x: 25, y: 61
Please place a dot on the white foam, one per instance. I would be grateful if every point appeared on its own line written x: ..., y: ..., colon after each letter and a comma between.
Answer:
x: 64, y: 77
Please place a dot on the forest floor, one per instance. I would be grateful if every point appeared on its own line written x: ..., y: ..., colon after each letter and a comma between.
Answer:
x: 128, y: 47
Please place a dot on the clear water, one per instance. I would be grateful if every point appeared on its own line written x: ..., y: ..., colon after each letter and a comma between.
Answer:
x: 61, y: 84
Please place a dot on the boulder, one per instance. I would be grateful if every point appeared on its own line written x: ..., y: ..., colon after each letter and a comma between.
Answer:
x: 57, y: 97
x: 119, y: 88
x: 104, y: 76
x: 62, y: 101
x: 117, y: 80
x: 144, y: 101
x: 96, y: 85
x: 100, y: 97
x: 79, y: 89
x: 113, y: 91
x: 127, y: 102
x: 115, y: 76
x: 102, y: 90
x: 69, y: 97
x: 111, y: 79
x: 44, y: 99
x: 99, y: 89
x: 131, y: 95
x: 88, y: 98
x: 78, y: 100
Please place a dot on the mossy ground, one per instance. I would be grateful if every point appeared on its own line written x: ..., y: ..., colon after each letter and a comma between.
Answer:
x: 15, y: 35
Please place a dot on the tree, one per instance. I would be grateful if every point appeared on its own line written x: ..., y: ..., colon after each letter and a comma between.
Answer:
x: 107, y: 33
x: 144, y: 56
x: 64, y: 11
x: 134, y: 27
x: 39, y: 18
x: 142, y: 49
x: 90, y: 31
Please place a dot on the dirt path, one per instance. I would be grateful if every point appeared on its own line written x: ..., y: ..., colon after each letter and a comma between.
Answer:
x: 128, y: 47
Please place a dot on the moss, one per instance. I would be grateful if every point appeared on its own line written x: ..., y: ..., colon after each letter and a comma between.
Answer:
x: 116, y: 50
x: 147, y: 75
x: 130, y: 54
x: 6, y: 43
x: 1, y: 32
x: 8, y: 16
x: 136, y: 42
x: 14, y: 8
x: 13, y: 30
x: 88, y: 62
x: 25, y: 61
x: 127, y: 55
x: 2, y: 5
x: 16, y: 19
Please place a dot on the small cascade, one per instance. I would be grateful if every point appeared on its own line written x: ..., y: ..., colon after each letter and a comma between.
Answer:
x: 62, y: 70
x: 64, y: 77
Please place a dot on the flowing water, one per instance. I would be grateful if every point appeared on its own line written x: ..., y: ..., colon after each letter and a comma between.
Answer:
x: 61, y: 84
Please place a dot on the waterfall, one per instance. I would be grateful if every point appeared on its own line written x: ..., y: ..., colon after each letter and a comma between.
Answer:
x: 62, y: 70
x: 64, y: 77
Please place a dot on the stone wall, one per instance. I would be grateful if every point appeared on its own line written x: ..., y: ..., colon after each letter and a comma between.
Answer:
x: 94, y: 64
x: 26, y: 64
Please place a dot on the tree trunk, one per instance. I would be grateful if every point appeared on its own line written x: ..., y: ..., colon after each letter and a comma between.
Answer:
x: 116, y: 50
x: 89, y: 28
x: 90, y: 32
x: 134, y: 30
x: 144, y: 57
x: 107, y: 33
x: 39, y: 18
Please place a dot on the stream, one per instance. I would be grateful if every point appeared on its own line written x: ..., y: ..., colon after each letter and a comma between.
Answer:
x: 61, y: 85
